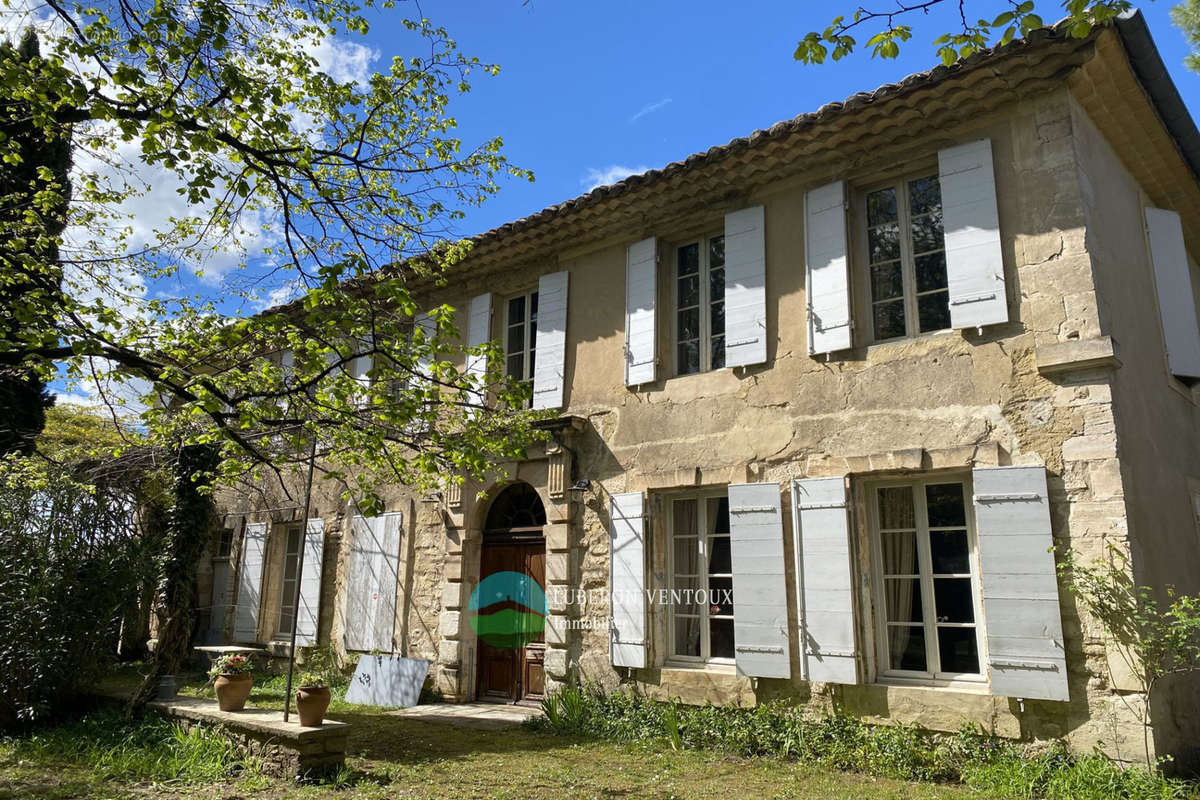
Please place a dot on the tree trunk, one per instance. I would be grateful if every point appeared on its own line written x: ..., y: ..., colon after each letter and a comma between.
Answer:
x: 189, y: 525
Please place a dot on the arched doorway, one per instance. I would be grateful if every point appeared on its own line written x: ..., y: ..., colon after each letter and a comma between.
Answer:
x: 513, y: 541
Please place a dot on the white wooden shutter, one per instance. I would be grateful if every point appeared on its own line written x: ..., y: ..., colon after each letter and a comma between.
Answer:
x: 974, y: 260
x: 370, y: 605
x: 760, y: 618
x: 479, y: 332
x: 745, y: 288
x: 627, y: 567
x: 425, y: 363
x: 249, y: 596
x: 828, y: 277
x: 360, y: 369
x: 1026, y: 655
x: 1176, y: 302
x: 641, y: 292
x: 824, y: 578
x: 549, y: 370
x: 308, y: 613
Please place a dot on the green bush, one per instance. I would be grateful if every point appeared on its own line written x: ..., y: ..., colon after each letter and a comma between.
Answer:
x: 71, y: 560
x: 143, y: 748
x: 995, y: 767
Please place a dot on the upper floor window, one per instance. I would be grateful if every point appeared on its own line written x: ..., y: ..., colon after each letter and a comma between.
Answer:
x: 700, y: 306
x: 906, y: 257
x: 520, y: 336
x: 926, y: 580
x: 701, y: 579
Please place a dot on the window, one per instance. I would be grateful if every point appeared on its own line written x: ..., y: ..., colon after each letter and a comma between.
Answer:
x: 926, y: 580
x: 700, y: 306
x: 225, y: 543
x: 291, y: 574
x: 701, y: 590
x: 520, y: 336
x: 906, y: 258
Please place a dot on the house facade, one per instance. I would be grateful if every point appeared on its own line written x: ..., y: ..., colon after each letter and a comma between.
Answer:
x: 827, y: 398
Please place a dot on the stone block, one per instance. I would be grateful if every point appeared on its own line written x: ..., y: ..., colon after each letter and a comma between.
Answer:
x: 449, y: 624
x: 1088, y: 448
x: 558, y: 567
x: 556, y: 630
x: 1076, y: 355
x: 556, y: 662
x: 448, y: 652
x: 452, y: 570
x: 452, y: 595
x: 1104, y: 479
x: 558, y: 537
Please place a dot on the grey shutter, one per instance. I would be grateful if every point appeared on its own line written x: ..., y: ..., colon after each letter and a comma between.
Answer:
x: 425, y: 363
x: 1026, y: 655
x: 641, y: 292
x: 308, y: 613
x: 388, y: 572
x: 370, y: 615
x: 760, y: 614
x: 974, y: 260
x: 479, y: 332
x: 824, y: 578
x: 550, y: 367
x: 828, y: 278
x: 1176, y: 302
x: 627, y: 567
x: 249, y: 597
x: 745, y: 288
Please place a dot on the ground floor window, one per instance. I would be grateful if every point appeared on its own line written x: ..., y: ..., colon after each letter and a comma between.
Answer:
x: 927, y: 582
x: 701, y: 579
x: 291, y: 574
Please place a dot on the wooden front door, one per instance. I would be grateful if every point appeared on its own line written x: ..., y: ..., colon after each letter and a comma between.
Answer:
x: 513, y: 674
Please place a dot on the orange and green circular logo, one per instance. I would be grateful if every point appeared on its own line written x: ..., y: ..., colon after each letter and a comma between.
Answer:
x: 508, y: 610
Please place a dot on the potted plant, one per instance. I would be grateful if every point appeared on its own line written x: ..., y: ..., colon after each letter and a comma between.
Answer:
x: 312, y: 699
x: 231, y: 677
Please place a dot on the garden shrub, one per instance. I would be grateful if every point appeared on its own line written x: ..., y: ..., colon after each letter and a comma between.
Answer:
x: 71, y: 560
x: 995, y: 767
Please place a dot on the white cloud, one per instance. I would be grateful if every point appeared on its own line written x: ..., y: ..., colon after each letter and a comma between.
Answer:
x: 649, y: 108
x: 605, y: 176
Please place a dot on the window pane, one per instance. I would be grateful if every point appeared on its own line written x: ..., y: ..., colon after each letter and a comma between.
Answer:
x: 887, y: 281
x: 900, y: 554
x: 903, y: 599
x: 931, y: 271
x: 952, y: 599
x: 883, y: 243
x: 720, y: 596
x: 718, y: 515
x: 927, y: 233
x: 958, y: 650
x: 685, y: 522
x: 934, y: 311
x: 906, y: 647
x: 516, y: 310
x: 718, y: 560
x: 516, y: 339
x: 689, y: 358
x: 689, y: 291
x: 686, y: 594
x: 687, y: 555
x: 947, y: 508
x: 949, y: 552
x: 717, y: 316
x: 689, y: 324
x: 532, y: 359
x: 687, y: 636
x: 924, y: 195
x: 720, y: 638
x: 881, y: 207
x: 516, y: 366
x: 896, y: 508
x: 533, y: 303
x: 718, y: 352
x: 716, y: 285
x: 716, y: 252
x: 689, y: 259
x: 889, y: 319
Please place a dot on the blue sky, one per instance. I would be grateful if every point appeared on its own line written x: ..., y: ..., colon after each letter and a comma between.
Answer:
x: 586, y: 86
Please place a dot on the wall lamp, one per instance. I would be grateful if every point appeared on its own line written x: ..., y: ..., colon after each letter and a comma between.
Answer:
x: 581, y: 485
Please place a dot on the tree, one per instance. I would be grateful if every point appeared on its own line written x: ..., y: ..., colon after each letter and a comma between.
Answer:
x: 353, y: 185
x: 36, y: 275
x: 1186, y: 16
x: 889, y: 27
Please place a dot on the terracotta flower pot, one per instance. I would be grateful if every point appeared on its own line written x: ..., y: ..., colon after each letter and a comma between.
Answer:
x: 311, y: 702
x: 232, y: 691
